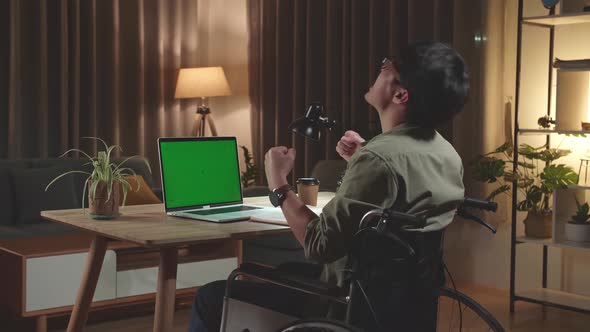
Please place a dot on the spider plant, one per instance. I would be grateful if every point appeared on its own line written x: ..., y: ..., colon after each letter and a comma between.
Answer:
x: 104, y: 171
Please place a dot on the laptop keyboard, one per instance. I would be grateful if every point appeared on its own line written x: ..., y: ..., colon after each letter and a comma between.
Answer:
x: 223, y: 210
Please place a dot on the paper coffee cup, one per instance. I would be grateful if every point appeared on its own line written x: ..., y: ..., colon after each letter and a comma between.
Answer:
x: 307, y: 189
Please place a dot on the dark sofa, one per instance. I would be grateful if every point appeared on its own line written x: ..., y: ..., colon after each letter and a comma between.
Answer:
x: 23, y: 196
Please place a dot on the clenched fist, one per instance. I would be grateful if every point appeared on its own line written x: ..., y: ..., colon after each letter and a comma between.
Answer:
x: 278, y: 163
x: 349, y: 144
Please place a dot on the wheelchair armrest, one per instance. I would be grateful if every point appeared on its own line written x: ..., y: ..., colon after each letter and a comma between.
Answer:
x: 300, y: 283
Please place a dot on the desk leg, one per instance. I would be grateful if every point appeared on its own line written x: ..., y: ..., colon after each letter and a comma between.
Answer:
x: 41, y: 324
x: 240, y: 251
x: 88, y: 284
x: 166, y: 290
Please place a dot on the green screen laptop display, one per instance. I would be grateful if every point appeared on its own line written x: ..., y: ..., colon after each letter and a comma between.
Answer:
x: 200, y: 172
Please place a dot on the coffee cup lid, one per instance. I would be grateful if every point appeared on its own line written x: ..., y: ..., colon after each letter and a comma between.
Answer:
x: 308, y: 181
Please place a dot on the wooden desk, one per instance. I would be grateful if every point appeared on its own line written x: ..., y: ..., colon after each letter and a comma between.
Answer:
x: 149, y: 226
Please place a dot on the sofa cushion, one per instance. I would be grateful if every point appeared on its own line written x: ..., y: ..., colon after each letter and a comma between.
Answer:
x: 11, y: 232
x: 141, y: 195
x: 7, y: 202
x: 31, y: 198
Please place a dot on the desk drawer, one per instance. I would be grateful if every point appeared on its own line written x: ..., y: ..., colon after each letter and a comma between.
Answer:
x: 145, y: 281
x: 53, y: 281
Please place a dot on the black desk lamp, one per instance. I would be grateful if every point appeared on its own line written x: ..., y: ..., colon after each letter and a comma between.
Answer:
x: 312, y: 123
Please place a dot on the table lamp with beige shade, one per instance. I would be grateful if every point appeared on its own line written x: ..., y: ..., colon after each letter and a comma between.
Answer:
x: 201, y: 83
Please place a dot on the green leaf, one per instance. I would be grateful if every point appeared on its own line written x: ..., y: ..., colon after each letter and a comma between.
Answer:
x: 498, y: 191
x: 526, y: 165
x: 488, y: 169
x: 550, y: 155
x: 506, y: 147
x: 557, y: 176
x: 533, y: 196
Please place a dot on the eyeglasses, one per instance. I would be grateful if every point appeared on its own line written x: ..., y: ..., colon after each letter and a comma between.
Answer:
x: 387, y: 64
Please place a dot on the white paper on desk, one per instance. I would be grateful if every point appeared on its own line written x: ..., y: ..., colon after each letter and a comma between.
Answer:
x: 276, y: 216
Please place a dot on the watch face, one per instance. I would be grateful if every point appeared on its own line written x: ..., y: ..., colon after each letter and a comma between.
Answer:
x: 549, y: 3
x: 274, y: 198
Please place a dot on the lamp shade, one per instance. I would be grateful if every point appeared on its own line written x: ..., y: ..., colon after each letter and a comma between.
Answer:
x: 201, y: 82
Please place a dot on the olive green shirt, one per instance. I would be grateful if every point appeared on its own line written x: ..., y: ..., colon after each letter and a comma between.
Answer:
x: 390, y: 170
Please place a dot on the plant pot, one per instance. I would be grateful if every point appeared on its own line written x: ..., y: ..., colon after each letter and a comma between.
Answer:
x: 102, y: 207
x: 538, y: 224
x: 577, y: 232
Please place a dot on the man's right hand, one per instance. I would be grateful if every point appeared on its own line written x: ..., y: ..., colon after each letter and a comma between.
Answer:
x: 349, y: 144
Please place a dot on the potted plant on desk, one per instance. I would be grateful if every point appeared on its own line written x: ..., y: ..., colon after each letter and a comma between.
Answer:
x: 578, y: 228
x: 536, y: 178
x: 105, y: 182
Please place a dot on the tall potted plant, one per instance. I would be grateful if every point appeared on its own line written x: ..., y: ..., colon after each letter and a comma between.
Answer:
x: 106, y: 181
x: 536, y: 178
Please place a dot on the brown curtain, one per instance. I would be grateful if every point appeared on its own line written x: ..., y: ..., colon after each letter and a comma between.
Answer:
x: 328, y: 51
x: 104, y: 68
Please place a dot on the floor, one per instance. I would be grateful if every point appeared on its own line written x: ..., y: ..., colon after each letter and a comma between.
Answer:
x: 528, y: 317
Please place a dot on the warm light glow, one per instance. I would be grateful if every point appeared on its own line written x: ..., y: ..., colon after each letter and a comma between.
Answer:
x: 201, y: 82
x: 588, y: 114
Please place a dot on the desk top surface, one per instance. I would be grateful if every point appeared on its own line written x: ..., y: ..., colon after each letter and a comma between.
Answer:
x: 148, y: 225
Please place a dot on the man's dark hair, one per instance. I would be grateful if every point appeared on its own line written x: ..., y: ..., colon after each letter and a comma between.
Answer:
x: 437, y: 81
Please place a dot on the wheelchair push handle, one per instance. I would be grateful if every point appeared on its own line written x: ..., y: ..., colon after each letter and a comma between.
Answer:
x: 479, y: 204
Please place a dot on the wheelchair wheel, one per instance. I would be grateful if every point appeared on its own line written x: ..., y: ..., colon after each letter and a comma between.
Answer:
x: 318, y: 325
x: 459, y: 312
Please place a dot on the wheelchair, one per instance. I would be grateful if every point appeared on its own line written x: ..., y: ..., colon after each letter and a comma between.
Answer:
x: 374, y: 265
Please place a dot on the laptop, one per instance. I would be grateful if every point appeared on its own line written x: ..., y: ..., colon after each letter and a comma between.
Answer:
x: 201, y: 179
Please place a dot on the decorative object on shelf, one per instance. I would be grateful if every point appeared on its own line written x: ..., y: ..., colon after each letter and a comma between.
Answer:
x: 312, y: 124
x: 105, y: 182
x: 251, y: 172
x: 585, y: 126
x: 545, y: 121
x: 549, y: 4
x: 200, y: 83
x: 535, y: 185
x: 578, y: 228
x: 583, y: 160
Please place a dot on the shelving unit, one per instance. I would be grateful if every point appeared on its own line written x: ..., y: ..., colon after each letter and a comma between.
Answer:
x: 555, y: 298
x: 551, y: 131
x: 571, y: 101
x: 555, y: 20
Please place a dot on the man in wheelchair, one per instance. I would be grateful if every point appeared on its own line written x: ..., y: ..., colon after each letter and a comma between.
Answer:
x: 423, y: 87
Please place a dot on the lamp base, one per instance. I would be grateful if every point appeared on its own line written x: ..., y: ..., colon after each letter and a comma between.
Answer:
x: 202, y: 117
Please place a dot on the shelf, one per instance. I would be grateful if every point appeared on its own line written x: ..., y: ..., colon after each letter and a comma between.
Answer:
x: 551, y: 131
x: 576, y: 186
x: 556, y: 298
x: 553, y: 20
x: 552, y: 243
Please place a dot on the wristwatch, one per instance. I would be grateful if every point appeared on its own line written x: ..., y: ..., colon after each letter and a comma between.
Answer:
x: 277, y: 196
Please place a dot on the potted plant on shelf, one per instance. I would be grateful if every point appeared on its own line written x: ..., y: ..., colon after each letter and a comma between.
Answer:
x: 536, y: 178
x: 578, y: 228
x: 105, y: 182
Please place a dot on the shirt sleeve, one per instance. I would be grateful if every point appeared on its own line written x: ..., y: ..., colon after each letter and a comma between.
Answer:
x: 367, y: 184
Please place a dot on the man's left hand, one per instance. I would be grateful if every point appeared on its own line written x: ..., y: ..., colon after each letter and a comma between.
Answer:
x: 278, y: 163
